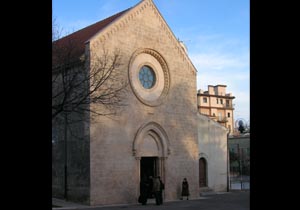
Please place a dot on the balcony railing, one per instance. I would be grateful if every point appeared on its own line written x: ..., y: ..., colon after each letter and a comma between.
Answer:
x: 229, y: 106
x: 222, y: 119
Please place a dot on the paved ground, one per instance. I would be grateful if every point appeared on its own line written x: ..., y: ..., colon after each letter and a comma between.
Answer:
x: 233, y: 200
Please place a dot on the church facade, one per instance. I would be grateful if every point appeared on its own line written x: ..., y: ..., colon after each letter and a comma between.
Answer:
x: 155, y: 134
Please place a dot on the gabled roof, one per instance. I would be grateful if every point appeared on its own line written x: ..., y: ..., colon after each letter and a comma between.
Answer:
x: 75, y: 43
x: 78, y: 39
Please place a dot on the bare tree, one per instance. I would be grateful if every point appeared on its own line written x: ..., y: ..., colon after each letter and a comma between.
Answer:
x: 80, y: 81
x: 56, y: 30
x: 85, y: 85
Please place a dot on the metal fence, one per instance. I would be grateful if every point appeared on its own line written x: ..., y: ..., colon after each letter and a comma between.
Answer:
x: 239, y: 177
x: 239, y: 182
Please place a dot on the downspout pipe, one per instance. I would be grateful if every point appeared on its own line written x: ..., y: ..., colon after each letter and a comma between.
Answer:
x: 228, y: 161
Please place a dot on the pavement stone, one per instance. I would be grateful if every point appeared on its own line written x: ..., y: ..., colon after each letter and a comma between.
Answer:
x: 232, y: 200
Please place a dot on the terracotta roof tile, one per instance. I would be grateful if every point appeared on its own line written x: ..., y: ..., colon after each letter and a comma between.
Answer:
x: 73, y: 44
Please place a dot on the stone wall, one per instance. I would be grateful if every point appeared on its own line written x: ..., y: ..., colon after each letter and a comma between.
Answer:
x: 114, y: 166
x: 71, y: 159
x: 212, y: 138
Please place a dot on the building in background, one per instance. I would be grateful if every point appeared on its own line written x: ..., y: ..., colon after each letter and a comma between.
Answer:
x: 217, y: 105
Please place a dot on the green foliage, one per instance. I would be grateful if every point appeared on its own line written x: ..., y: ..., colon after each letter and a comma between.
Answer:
x: 241, y: 128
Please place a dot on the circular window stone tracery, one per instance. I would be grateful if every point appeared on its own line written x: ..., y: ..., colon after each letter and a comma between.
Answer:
x: 149, y: 76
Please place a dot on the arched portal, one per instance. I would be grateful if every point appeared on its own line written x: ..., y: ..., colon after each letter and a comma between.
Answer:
x: 151, y: 147
x: 202, y: 172
x: 151, y: 140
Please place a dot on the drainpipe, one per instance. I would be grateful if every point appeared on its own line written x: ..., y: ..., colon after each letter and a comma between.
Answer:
x: 228, y: 161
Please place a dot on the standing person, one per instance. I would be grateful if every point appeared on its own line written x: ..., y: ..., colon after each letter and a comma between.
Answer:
x: 162, y: 187
x: 150, y: 187
x: 143, y: 191
x: 185, y: 189
x: 156, y: 190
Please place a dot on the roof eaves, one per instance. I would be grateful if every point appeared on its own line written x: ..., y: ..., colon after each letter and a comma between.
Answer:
x: 110, y: 23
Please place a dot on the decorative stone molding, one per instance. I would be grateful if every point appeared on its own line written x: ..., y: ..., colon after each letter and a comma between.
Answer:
x: 155, y: 95
x: 159, y: 135
x: 122, y: 21
x: 134, y: 152
x: 203, y: 155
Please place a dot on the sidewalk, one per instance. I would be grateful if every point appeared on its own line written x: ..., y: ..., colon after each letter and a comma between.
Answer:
x: 62, y: 204
x: 233, y: 200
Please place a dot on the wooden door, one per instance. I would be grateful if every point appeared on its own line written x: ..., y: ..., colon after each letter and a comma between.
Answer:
x: 202, y: 173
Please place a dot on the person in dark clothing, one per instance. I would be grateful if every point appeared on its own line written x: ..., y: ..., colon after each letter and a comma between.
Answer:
x: 185, y: 189
x: 156, y: 190
x: 162, y: 187
x: 150, y: 187
x: 143, y: 191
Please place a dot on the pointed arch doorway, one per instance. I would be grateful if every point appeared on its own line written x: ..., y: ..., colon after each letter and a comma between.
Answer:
x: 151, y: 148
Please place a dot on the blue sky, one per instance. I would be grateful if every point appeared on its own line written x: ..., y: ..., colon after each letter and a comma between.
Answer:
x: 216, y: 33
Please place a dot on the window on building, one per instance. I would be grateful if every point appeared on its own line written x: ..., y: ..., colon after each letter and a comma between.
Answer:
x: 220, y: 116
x: 214, y: 114
x: 221, y: 100
x: 228, y: 114
x: 204, y: 100
x: 217, y: 101
x: 147, y: 77
x: 227, y: 103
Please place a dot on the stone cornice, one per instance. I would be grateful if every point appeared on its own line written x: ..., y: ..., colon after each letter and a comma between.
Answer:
x: 137, y: 10
x: 164, y: 25
x: 215, y: 107
x: 215, y: 96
